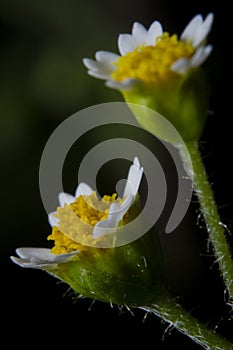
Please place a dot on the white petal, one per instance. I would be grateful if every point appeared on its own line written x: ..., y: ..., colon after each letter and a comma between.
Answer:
x: 200, y: 55
x: 125, y: 206
x: 154, y: 31
x: 27, y: 253
x: 106, y: 57
x: 91, y: 64
x: 133, y: 179
x: 136, y: 161
x: 83, y: 190
x: 127, y: 84
x: 197, y: 29
x: 203, y: 30
x: 116, y: 213
x: 140, y: 33
x: 26, y: 263
x: 126, y: 43
x: 109, y: 225
x: 104, y: 227
x: 98, y: 67
x: 181, y: 66
x: 65, y: 198
x: 39, y: 258
x: 190, y: 30
x: 99, y: 75
x: 53, y: 221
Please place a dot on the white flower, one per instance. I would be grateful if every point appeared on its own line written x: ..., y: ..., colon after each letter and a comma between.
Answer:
x: 194, y: 34
x: 42, y: 258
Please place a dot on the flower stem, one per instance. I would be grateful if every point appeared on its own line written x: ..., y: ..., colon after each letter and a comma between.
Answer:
x: 170, y: 311
x: 215, y: 228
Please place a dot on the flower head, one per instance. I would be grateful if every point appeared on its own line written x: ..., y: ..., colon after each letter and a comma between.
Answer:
x: 162, y: 72
x: 82, y: 226
x: 152, y: 56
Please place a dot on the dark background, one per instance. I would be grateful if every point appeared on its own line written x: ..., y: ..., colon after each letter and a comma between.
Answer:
x: 43, y: 81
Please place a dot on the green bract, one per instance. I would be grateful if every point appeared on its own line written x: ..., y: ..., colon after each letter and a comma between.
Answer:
x: 184, y: 103
x: 126, y: 275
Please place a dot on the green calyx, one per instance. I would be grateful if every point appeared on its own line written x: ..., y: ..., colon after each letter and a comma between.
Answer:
x: 130, y: 275
x: 183, y: 101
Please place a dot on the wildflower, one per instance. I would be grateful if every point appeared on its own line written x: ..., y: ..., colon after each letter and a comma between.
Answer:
x: 85, y: 253
x: 162, y: 72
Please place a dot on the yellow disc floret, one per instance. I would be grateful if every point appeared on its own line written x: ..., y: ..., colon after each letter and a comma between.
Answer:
x: 77, y: 221
x: 152, y: 63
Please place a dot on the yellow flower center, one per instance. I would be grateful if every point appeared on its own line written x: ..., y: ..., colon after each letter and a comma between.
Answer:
x: 77, y: 221
x: 152, y: 63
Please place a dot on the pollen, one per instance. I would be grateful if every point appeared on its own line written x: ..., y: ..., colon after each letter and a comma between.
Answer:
x: 152, y: 63
x: 77, y: 221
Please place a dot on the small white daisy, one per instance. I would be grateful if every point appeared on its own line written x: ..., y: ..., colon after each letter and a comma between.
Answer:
x: 108, y: 216
x: 152, y: 55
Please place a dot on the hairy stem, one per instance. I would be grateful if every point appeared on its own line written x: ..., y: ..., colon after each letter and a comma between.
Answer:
x: 215, y: 228
x: 176, y: 316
